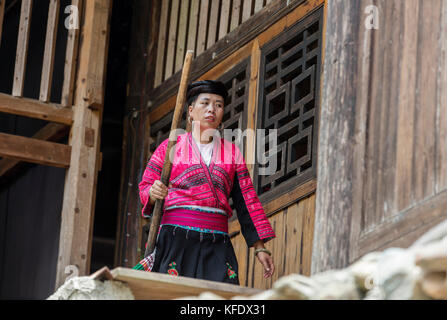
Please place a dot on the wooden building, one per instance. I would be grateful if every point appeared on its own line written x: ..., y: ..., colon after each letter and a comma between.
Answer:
x: 354, y: 88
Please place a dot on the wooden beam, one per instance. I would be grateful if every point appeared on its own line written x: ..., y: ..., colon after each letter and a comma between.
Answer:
x: 81, y: 178
x: 50, y: 46
x: 34, y: 150
x: 51, y: 132
x: 163, y: 25
x: 181, y: 37
x: 22, y: 48
x: 158, y: 286
x: 2, y: 14
x: 71, y: 57
x: 35, y: 109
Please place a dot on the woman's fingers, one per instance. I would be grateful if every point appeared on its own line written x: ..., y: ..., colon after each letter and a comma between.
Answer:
x: 158, y: 190
x: 267, y: 262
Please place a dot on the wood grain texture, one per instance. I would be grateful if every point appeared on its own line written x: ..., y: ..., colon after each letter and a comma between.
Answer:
x: 50, y: 46
x: 193, y: 24
x: 80, y: 183
x: 334, y: 187
x: 388, y: 181
x: 235, y: 14
x: 22, y: 48
x: 35, y: 109
x: 203, y: 26
x: 158, y: 286
x: 246, y: 10
x: 162, y: 36
x: 292, y: 247
x: 51, y: 132
x: 225, y: 18
x: 441, y: 139
x: 34, y: 150
x: 181, y: 37
x: 213, y: 24
x: 172, y: 38
x: 71, y: 58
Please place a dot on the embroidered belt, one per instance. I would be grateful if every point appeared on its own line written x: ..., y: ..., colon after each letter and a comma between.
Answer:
x: 196, y: 219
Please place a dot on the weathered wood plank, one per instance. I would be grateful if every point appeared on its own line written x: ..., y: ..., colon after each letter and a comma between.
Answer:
x: 22, y: 48
x: 71, y: 57
x: 34, y: 150
x: 193, y: 24
x: 161, y: 44
x: 441, y: 142
x: 258, y: 5
x: 421, y: 216
x: 157, y: 286
x: 235, y: 14
x: 213, y: 24
x: 292, y: 196
x: 51, y: 132
x: 50, y: 46
x: 308, y: 233
x: 406, y: 107
x: 337, y: 132
x: 246, y: 10
x: 181, y: 37
x: 225, y: 17
x: 35, y: 109
x: 203, y: 26
x: 2, y: 14
x: 80, y: 183
x: 426, y: 83
x: 172, y: 39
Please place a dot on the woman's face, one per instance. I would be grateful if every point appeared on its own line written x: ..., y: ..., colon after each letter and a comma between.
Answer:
x: 208, y: 109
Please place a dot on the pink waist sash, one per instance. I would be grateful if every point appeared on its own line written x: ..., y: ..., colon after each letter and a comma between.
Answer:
x: 197, y: 219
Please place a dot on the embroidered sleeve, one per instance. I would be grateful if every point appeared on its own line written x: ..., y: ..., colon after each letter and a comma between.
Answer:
x: 150, y: 175
x: 254, y: 223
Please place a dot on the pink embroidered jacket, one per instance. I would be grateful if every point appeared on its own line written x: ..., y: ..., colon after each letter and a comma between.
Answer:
x: 193, y: 183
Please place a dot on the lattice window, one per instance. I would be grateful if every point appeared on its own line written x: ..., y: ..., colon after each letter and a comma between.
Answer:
x: 288, y: 102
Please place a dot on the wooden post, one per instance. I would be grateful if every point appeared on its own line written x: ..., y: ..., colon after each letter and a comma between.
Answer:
x: 336, y: 137
x: 80, y: 184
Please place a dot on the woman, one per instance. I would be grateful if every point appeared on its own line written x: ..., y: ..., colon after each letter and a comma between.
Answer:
x: 193, y: 237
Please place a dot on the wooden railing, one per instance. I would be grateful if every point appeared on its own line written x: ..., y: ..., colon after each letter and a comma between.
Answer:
x: 49, y: 51
x: 196, y: 25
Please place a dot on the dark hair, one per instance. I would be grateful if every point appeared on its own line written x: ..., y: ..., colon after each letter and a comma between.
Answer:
x: 205, y: 86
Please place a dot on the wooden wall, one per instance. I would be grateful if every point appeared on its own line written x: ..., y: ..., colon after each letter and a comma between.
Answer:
x: 291, y: 250
x: 383, y: 140
x: 196, y: 25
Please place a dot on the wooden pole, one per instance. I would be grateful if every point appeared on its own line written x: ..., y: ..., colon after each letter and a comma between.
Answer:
x: 167, y: 166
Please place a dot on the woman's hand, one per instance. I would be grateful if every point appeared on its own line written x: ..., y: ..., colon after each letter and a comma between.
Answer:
x: 267, y: 262
x: 158, y: 191
x: 265, y: 259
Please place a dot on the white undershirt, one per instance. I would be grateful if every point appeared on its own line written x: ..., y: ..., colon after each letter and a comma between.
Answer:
x: 206, y: 150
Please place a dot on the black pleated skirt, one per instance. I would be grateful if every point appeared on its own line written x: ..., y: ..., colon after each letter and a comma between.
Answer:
x: 200, y: 255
